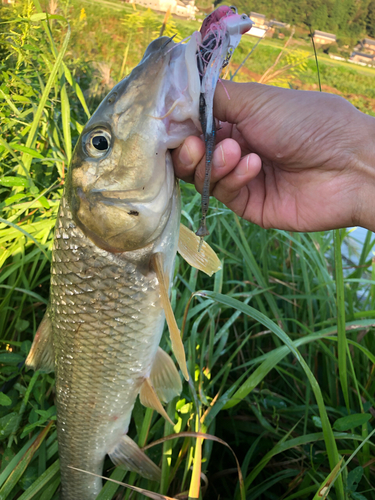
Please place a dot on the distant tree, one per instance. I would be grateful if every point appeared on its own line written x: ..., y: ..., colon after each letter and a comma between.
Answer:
x: 370, y: 19
x: 348, y: 18
x: 319, y: 18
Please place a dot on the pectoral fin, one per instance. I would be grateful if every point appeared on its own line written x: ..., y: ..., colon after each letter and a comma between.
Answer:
x: 41, y: 356
x: 177, y: 345
x: 204, y: 259
x: 128, y: 454
x: 149, y: 398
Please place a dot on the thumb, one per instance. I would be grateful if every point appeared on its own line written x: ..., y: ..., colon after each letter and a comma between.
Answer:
x: 235, y: 102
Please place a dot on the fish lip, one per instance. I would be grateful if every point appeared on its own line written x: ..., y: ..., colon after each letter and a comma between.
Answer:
x: 98, y: 196
x: 107, y: 196
x: 133, y: 207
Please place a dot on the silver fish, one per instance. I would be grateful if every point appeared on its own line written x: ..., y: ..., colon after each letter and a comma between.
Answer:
x: 116, y: 238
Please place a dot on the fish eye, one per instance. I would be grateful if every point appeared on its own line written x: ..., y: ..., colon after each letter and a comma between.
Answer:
x: 97, y: 143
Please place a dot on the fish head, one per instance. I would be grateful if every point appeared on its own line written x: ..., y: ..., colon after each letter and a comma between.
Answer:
x: 121, y: 183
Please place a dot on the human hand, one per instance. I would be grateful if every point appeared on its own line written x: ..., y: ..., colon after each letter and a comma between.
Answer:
x: 287, y: 159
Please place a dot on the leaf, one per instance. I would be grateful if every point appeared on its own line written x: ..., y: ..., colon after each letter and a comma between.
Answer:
x: 351, y: 421
x: 43, y: 16
x: 32, y: 136
x: 44, y: 202
x: 210, y: 438
x: 20, y: 467
x: 357, y: 496
x: 20, y: 98
x: 354, y: 478
x: 46, y: 414
x: 5, y: 400
x: 38, y: 17
x: 14, y: 181
x: 24, y: 149
x: 21, y: 325
x: 21, y: 230
x: 317, y: 421
x: 26, y: 346
x: 29, y: 477
x: 325, y: 487
x: 11, y: 358
x: 5, y: 473
x: 7, y: 425
x: 49, y: 414
x: 8, y: 455
x: 12, y: 199
x: 331, y: 446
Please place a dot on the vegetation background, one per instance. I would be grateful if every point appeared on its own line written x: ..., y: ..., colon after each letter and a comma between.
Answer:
x: 280, y: 343
x: 348, y: 19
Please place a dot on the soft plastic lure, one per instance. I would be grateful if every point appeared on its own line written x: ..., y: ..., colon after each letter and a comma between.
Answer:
x: 221, y: 33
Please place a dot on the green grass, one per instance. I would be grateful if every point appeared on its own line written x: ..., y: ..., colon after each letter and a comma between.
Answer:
x: 280, y: 343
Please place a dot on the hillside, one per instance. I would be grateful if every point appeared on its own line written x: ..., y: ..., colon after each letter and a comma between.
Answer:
x: 109, y: 43
x: 348, y: 19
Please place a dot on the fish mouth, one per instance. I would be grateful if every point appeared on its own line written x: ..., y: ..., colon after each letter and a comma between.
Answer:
x: 118, y: 199
x: 117, y: 224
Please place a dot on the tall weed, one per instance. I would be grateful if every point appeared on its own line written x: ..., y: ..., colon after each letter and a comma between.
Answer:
x: 280, y: 343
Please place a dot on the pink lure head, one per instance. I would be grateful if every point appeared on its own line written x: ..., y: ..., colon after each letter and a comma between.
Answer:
x: 226, y: 18
x: 215, y: 17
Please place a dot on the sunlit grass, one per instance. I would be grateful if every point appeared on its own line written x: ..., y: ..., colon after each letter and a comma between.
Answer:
x: 280, y: 342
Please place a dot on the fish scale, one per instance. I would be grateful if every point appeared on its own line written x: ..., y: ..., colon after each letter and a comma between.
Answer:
x: 101, y: 342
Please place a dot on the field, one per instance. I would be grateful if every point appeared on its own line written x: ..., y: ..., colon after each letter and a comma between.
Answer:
x: 280, y: 343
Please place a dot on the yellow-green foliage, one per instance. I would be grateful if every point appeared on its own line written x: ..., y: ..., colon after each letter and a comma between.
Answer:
x: 273, y: 375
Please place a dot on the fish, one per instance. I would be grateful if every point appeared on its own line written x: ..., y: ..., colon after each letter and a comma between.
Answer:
x: 116, y: 237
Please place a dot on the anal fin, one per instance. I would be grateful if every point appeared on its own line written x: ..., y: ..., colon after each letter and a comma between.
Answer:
x: 197, y: 252
x: 41, y: 356
x: 128, y: 455
x: 177, y: 345
x: 164, y: 377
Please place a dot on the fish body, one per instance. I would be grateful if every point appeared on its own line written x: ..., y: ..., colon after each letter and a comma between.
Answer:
x: 107, y: 322
x: 120, y: 208
x: 116, y: 238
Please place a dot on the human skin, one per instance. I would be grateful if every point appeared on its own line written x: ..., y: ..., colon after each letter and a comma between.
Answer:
x: 288, y: 159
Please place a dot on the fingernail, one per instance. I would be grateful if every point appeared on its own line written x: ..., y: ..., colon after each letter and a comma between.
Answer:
x: 219, y: 157
x: 185, y: 156
x: 243, y: 167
